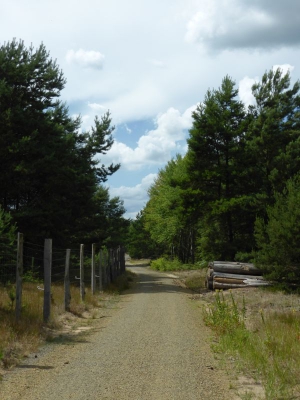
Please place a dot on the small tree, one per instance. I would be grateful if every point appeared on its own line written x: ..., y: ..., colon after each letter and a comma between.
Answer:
x: 279, y: 238
x: 7, y: 249
x: 7, y: 227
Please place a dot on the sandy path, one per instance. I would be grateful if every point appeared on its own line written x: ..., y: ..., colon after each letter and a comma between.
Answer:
x: 154, y: 347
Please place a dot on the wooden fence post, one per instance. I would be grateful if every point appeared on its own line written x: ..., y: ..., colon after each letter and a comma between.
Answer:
x: 109, y: 267
x: 47, y: 278
x: 93, y: 277
x: 119, y: 261
x: 123, y: 259
x: 82, y: 291
x: 67, y: 281
x: 100, y: 272
x: 19, y: 274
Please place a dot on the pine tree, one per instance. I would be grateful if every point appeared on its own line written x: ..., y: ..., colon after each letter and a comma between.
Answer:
x: 215, y: 165
x: 51, y: 170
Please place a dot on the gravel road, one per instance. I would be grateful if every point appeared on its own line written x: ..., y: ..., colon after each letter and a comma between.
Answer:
x: 154, y: 346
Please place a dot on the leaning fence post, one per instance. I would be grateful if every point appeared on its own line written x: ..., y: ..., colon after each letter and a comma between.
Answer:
x: 93, y: 277
x: 19, y: 274
x: 47, y: 278
x: 82, y: 292
x: 67, y: 281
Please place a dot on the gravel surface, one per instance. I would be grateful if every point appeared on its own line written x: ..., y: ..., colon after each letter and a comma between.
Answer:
x: 154, y: 346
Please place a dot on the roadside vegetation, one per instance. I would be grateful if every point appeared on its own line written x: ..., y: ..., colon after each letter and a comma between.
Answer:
x: 165, y: 264
x: 260, y: 331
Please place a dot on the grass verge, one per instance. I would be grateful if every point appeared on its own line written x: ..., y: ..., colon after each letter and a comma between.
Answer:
x: 268, y: 347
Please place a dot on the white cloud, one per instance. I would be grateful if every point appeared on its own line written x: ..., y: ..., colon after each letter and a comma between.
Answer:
x: 86, y: 59
x: 205, y: 23
x: 135, y: 197
x: 97, y: 107
x: 245, y: 90
x: 284, y: 67
x: 141, y: 101
x: 156, y: 146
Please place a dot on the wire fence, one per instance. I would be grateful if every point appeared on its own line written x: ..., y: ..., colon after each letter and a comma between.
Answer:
x: 30, y: 272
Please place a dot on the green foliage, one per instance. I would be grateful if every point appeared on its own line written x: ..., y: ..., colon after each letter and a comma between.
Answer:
x: 31, y: 276
x: 224, y: 316
x: 7, y: 227
x: 279, y: 237
x: 50, y: 170
x: 168, y: 217
x: 204, y: 206
x: 273, y: 135
x: 216, y: 161
x: 139, y: 242
x: 163, y: 264
x: 104, y: 224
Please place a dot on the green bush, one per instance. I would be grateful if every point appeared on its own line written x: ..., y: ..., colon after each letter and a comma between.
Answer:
x: 278, y: 239
x: 163, y: 264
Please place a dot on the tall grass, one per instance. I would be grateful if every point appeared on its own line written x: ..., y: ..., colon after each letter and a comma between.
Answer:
x: 270, y: 350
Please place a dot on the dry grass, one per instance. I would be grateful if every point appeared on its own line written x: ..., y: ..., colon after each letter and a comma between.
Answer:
x: 20, y: 339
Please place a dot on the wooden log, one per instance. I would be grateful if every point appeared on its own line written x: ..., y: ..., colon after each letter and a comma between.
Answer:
x: 209, y: 283
x: 241, y: 281
x: 209, y: 272
x: 235, y: 264
x: 229, y: 281
x: 218, y: 285
x: 252, y: 282
x: 221, y: 285
x: 243, y: 269
x: 236, y: 276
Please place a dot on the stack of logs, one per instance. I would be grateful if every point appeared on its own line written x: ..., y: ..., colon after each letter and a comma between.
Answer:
x: 231, y: 275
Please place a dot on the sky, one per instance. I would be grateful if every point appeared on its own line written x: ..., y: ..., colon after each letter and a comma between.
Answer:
x: 150, y: 63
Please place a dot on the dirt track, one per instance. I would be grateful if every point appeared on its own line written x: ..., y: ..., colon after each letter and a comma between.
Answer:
x: 154, y: 347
